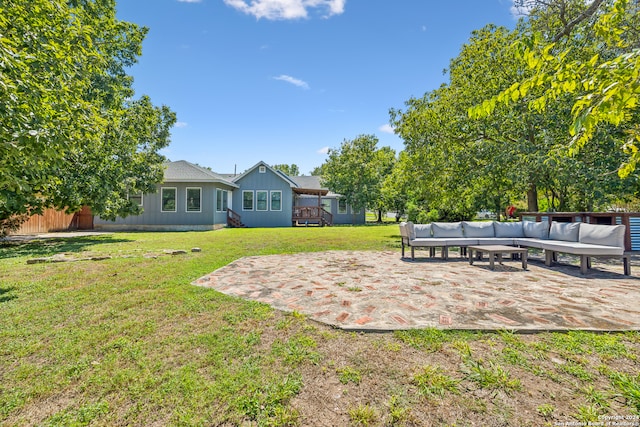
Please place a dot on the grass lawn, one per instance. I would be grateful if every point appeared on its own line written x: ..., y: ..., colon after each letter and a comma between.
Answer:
x: 128, y: 341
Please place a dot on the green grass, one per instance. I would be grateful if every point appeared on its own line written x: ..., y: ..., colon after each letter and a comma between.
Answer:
x: 129, y: 341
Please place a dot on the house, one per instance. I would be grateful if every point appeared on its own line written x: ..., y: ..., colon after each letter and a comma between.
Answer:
x: 195, y: 198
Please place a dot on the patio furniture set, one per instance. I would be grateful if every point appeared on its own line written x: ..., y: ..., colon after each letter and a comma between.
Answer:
x: 497, y: 238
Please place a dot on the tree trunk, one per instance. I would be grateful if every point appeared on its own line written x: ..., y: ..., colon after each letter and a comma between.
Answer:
x: 532, y: 198
x: 379, y: 215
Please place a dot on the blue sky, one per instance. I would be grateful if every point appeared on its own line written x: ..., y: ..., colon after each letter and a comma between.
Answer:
x: 283, y: 80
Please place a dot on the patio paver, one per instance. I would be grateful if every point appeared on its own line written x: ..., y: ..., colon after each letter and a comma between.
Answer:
x: 379, y: 291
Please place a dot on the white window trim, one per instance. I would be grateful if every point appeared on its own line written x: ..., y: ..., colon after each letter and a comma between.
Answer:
x: 175, y: 191
x: 266, y: 206
x: 186, y: 199
x: 141, y: 204
x: 253, y: 200
x: 262, y: 169
x: 271, y: 200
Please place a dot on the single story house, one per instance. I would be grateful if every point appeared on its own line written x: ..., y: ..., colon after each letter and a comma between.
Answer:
x: 194, y: 198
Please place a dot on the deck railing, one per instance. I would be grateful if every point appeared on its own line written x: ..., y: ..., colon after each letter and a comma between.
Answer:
x: 311, y: 214
x: 233, y: 219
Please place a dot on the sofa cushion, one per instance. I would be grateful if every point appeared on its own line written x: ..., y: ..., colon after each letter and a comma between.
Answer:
x: 411, y: 233
x: 565, y: 231
x: 429, y: 242
x: 478, y: 229
x: 508, y: 229
x: 536, y: 230
x: 422, y: 230
x: 530, y: 242
x: 578, y: 248
x: 447, y: 229
x: 607, y: 235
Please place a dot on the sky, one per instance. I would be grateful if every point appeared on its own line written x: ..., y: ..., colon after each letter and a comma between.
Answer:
x: 283, y: 81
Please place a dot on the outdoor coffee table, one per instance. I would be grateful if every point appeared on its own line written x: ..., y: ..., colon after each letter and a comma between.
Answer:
x: 497, y: 250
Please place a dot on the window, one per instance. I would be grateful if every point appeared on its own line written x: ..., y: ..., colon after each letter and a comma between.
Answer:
x: 193, y: 199
x: 136, y: 198
x: 247, y: 200
x: 222, y: 200
x: 276, y: 200
x: 262, y: 169
x: 342, y: 206
x: 326, y: 205
x: 168, y: 199
x: 261, y: 200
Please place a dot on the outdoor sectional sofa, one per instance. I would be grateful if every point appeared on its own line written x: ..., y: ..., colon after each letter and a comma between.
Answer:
x: 576, y: 238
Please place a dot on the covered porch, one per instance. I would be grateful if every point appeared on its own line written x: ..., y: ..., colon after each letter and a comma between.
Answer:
x: 305, y: 215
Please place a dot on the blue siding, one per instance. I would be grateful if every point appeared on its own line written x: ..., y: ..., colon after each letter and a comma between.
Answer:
x: 152, y: 216
x: 267, y: 181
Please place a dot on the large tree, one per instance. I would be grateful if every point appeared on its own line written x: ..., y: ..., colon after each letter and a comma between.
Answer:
x: 71, y: 132
x: 592, y: 56
x: 357, y: 170
x: 471, y: 161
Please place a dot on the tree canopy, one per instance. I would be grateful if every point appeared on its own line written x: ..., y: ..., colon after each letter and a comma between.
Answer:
x: 291, y: 170
x: 357, y: 170
x: 479, y: 141
x: 71, y: 132
x: 593, y: 59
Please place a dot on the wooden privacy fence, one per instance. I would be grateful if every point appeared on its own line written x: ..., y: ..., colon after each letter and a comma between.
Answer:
x: 54, y: 220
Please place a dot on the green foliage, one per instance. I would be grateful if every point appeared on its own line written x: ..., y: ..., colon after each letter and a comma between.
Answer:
x: 362, y: 415
x: 598, y: 79
x: 290, y: 170
x: 546, y: 410
x: 357, y: 170
x: 491, y: 376
x: 72, y: 133
x: 498, y: 131
x: 348, y: 374
x: 430, y: 339
x: 432, y: 382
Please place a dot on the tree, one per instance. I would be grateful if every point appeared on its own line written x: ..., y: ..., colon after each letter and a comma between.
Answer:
x: 462, y: 162
x: 290, y: 170
x: 604, y: 87
x: 70, y: 131
x: 357, y: 169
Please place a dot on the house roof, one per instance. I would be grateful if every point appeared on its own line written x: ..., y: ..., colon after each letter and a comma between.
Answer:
x: 183, y: 171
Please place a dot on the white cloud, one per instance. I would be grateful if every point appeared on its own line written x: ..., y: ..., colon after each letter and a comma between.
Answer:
x: 386, y: 129
x: 520, y: 8
x: 293, y: 81
x: 323, y: 150
x: 181, y: 124
x: 190, y: 1
x: 286, y: 9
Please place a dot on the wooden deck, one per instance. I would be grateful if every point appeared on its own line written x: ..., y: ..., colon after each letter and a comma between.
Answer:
x: 305, y: 215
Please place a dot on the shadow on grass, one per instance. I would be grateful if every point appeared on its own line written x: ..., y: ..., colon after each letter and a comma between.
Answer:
x: 5, y: 294
x: 45, y: 247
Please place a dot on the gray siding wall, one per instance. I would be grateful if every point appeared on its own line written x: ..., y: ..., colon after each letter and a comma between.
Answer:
x: 178, y: 220
x: 267, y: 181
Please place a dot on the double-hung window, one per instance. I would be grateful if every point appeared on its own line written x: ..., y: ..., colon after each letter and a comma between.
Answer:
x: 247, y: 200
x: 342, y: 206
x: 168, y: 195
x: 276, y: 200
x: 194, y: 196
x: 261, y: 200
x: 222, y: 200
